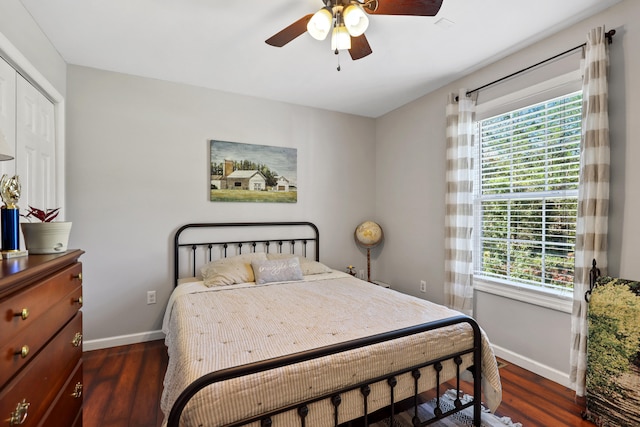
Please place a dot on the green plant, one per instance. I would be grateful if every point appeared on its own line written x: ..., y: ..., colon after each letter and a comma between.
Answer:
x: 47, y: 215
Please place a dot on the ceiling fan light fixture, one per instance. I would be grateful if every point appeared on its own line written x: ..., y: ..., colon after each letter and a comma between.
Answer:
x: 340, y: 38
x: 355, y: 20
x: 320, y: 24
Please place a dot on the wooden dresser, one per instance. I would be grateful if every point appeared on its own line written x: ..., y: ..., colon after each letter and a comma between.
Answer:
x: 41, y: 340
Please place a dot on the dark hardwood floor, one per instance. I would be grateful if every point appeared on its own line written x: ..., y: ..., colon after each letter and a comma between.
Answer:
x: 123, y: 387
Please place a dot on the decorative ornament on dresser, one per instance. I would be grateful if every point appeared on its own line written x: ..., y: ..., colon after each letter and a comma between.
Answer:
x: 368, y: 235
x: 10, y: 216
x: 46, y: 236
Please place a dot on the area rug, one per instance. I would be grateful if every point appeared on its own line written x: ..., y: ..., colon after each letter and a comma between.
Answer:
x: 463, y: 418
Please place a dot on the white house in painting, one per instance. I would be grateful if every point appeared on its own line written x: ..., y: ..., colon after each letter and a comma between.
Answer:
x: 238, y: 180
x: 282, y: 184
x: 246, y: 180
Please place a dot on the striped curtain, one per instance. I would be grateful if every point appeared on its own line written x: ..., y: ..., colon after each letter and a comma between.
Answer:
x: 458, y: 290
x: 593, y: 194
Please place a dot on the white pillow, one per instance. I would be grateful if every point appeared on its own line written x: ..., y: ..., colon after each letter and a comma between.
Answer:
x: 277, y: 270
x: 308, y: 266
x: 232, y: 270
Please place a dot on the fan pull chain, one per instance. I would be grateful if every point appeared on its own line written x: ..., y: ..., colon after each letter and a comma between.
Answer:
x: 338, y: 55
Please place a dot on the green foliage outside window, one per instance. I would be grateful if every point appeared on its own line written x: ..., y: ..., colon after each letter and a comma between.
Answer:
x: 527, y: 195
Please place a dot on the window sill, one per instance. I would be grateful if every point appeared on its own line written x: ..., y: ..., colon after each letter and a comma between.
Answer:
x: 554, y: 300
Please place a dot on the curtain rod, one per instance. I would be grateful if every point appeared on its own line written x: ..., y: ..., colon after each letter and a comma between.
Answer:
x: 609, y: 36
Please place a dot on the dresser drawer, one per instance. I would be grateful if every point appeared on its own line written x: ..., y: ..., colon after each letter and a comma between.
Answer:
x: 22, y: 347
x: 21, y: 309
x: 33, y: 390
x: 68, y: 403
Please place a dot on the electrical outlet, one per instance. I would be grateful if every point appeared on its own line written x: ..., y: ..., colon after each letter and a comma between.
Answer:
x: 361, y: 274
x: 151, y: 297
x: 423, y: 286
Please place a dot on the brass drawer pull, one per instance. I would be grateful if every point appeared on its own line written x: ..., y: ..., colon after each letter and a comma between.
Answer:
x: 24, y: 313
x: 23, y: 352
x: 77, y: 340
x: 78, y: 300
x: 20, y: 414
x: 77, y: 392
x: 77, y: 276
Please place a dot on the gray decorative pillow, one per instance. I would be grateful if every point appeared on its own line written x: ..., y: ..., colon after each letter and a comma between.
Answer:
x: 277, y: 270
x: 232, y: 270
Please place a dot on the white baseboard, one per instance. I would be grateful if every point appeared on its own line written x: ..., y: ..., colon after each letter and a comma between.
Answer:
x: 122, y: 340
x: 549, y: 373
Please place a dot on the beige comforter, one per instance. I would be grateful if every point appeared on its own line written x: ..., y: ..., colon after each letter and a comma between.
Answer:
x: 209, y: 329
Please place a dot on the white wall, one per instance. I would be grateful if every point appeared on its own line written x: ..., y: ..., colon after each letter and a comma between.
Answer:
x: 138, y: 162
x: 411, y: 208
x: 410, y: 197
x: 17, y: 26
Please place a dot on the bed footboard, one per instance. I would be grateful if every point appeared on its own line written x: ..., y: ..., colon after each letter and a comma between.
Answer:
x: 429, y: 367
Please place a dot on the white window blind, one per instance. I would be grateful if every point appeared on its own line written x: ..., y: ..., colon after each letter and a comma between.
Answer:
x: 526, y: 193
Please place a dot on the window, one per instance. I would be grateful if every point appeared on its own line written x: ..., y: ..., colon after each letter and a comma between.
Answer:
x: 526, y: 193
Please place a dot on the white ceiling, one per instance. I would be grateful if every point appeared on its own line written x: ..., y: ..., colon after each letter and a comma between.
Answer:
x: 220, y: 45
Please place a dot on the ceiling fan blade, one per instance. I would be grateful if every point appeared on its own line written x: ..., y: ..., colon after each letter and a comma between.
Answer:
x: 289, y: 33
x: 406, y: 7
x: 359, y: 47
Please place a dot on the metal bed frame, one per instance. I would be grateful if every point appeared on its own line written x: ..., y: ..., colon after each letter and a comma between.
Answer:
x: 302, y: 408
x: 309, y: 231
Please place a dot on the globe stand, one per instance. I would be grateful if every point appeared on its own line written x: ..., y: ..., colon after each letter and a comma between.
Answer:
x: 368, y: 264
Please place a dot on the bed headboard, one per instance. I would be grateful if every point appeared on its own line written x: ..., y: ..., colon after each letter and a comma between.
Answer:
x: 196, y: 244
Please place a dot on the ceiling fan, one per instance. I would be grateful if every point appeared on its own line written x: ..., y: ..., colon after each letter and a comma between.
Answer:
x: 346, y: 21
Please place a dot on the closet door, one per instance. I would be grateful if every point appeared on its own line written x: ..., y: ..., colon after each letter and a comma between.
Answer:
x: 36, y: 147
x: 8, y: 113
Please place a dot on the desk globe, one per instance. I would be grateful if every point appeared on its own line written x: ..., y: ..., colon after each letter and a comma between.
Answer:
x: 368, y: 235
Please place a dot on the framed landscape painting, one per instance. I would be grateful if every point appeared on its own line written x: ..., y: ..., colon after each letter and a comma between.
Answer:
x: 252, y: 173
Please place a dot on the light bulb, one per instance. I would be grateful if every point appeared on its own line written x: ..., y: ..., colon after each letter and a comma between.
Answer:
x: 320, y: 24
x: 355, y: 20
x: 340, y: 38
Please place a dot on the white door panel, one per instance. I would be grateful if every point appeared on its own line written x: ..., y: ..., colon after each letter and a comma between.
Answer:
x: 36, y: 147
x: 8, y: 113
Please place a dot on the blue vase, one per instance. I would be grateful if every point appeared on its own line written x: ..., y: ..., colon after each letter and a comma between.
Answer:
x: 10, y: 218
